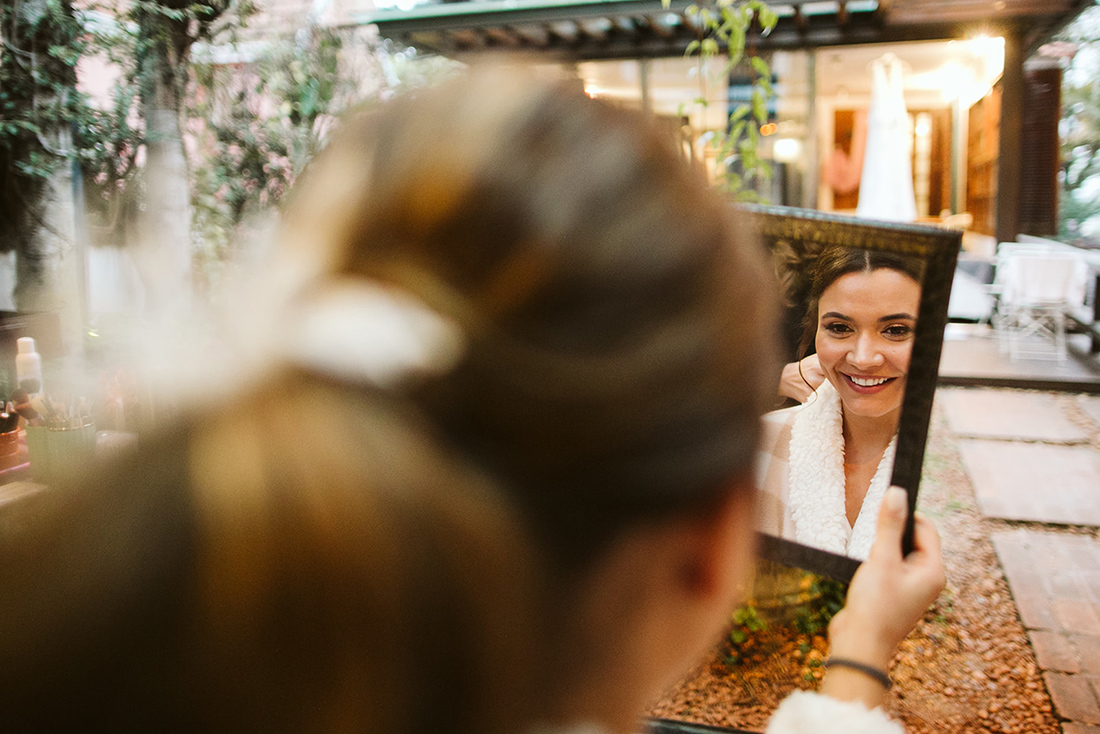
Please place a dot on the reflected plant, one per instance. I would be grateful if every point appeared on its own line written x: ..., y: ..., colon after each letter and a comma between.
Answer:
x: 797, y: 629
x: 746, y: 620
x: 826, y: 598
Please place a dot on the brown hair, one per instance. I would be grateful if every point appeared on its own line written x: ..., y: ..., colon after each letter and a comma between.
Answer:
x: 619, y: 339
x: 301, y: 560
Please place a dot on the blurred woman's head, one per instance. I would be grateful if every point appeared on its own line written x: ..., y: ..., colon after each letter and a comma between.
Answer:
x: 616, y: 339
x: 864, y: 306
x: 577, y: 351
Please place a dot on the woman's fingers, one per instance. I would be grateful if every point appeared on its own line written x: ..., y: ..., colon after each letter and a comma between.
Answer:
x: 925, y: 538
x: 891, y: 521
x: 811, y: 370
x: 800, y: 379
x: 889, y: 594
x: 926, y: 559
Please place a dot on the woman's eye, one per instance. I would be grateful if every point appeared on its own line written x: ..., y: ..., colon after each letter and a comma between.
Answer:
x: 898, y: 331
x: 838, y: 328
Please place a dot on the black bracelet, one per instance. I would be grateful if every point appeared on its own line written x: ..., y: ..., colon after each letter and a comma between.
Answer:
x: 870, y: 670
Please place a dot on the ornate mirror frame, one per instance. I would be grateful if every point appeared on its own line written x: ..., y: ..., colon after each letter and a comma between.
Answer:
x: 807, y: 232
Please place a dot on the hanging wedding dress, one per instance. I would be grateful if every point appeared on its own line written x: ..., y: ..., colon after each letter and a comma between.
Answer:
x: 886, y: 187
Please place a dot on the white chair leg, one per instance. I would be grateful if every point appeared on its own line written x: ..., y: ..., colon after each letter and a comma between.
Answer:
x: 1060, y: 335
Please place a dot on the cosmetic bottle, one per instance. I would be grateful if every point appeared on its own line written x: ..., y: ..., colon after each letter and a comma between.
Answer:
x: 28, y: 366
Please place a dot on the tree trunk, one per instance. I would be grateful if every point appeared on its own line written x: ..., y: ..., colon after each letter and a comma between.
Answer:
x: 47, y: 267
x: 165, y: 251
x: 46, y: 251
x: 165, y: 248
x: 45, y: 262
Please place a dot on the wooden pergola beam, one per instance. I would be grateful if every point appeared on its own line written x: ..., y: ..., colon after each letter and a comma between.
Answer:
x: 503, y: 36
x: 606, y: 29
x: 536, y: 34
x: 655, y: 25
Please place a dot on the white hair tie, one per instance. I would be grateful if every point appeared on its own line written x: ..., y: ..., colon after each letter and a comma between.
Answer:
x: 367, y: 332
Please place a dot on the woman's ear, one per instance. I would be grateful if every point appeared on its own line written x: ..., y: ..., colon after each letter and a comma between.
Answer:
x: 653, y: 603
x: 721, y: 549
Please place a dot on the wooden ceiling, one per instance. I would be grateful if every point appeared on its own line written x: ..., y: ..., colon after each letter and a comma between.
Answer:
x: 605, y: 29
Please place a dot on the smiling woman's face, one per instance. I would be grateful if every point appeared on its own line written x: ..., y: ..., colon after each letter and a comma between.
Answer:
x: 864, y: 338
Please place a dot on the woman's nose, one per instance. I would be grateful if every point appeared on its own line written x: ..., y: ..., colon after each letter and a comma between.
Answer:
x: 865, y: 354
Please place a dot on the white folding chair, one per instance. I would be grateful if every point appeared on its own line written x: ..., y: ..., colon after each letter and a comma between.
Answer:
x: 1037, y: 288
x: 998, y: 318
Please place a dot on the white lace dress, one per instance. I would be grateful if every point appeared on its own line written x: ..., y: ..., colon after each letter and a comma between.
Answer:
x: 886, y: 186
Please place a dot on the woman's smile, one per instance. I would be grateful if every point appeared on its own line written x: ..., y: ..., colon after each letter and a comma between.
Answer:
x: 867, y: 385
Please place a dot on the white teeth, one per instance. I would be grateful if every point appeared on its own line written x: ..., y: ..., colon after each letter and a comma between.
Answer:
x: 868, y: 383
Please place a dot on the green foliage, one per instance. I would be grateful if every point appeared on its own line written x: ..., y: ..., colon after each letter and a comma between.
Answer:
x: 826, y: 599
x: 257, y: 129
x: 258, y: 125
x: 751, y: 637
x: 40, y: 44
x: 1078, y: 200
x: 44, y: 121
x: 166, y: 30
x: 261, y: 125
x: 746, y: 620
x: 726, y: 25
x: 1080, y: 156
x: 746, y: 624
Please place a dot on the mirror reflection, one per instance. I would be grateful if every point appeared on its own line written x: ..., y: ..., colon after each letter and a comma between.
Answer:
x: 825, y: 463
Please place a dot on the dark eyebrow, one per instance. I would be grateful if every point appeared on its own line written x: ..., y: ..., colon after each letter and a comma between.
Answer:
x: 890, y: 317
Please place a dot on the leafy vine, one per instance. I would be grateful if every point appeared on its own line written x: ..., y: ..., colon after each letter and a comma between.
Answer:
x: 724, y: 30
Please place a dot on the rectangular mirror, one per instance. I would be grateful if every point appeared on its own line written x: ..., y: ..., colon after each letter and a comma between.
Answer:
x: 870, y: 299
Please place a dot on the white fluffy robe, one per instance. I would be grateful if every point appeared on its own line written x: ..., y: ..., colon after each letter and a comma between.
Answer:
x: 803, y: 712
x: 816, y: 481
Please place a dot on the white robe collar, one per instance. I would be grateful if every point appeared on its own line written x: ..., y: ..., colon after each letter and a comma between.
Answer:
x: 816, y: 482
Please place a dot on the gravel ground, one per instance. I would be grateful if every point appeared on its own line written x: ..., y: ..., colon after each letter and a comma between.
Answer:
x: 968, y: 667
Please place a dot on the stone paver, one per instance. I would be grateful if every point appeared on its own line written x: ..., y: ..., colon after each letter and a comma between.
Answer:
x: 1072, y: 727
x: 1088, y: 653
x: 1008, y: 414
x: 1035, y: 612
x: 1074, y: 615
x: 1073, y: 697
x: 1091, y: 405
x: 1027, y: 472
x: 1051, y: 577
x: 1035, y: 482
x: 1055, y: 651
x: 1051, y: 565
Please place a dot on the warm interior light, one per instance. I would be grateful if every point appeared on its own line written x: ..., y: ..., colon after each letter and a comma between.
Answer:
x: 991, y: 51
x: 786, y: 150
x: 769, y: 129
